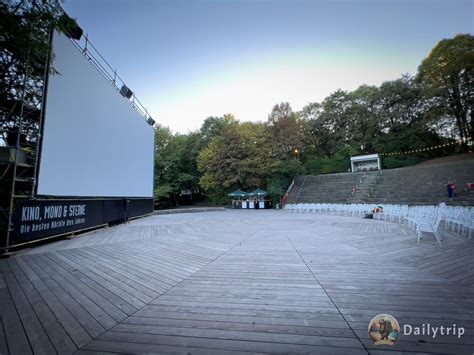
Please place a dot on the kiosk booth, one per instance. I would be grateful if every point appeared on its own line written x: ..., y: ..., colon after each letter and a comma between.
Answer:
x: 257, y: 199
x: 250, y: 200
x: 239, y: 199
x: 369, y: 162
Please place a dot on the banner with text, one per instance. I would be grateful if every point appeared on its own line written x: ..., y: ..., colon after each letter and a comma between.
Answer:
x: 36, y: 219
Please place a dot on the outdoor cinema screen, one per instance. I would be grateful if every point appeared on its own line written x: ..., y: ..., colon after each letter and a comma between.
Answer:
x: 94, y: 143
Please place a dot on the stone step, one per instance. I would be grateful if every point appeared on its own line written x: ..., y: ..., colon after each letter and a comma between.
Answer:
x: 418, y: 184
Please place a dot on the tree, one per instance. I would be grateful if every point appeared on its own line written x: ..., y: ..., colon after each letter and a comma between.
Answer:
x: 213, y: 126
x: 287, y: 127
x: 279, y: 112
x: 447, y: 78
x: 175, y: 164
x: 331, y: 125
x: 285, y: 172
x: 364, y: 119
x: 241, y: 157
x: 162, y: 185
x: 24, y: 48
x: 398, y: 116
x: 400, y: 103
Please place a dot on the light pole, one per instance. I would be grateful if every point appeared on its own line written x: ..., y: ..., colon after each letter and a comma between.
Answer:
x: 297, y: 153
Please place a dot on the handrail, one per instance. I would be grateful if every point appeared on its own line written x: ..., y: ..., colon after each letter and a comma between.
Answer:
x: 100, y: 63
x: 301, y: 188
x: 289, y: 188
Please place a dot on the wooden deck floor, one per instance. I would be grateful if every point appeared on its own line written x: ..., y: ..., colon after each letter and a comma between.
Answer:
x: 236, y: 281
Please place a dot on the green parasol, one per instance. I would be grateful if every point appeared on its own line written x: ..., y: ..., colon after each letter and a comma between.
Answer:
x: 237, y: 193
x: 258, y: 193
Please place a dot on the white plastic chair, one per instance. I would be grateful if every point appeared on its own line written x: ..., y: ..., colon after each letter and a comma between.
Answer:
x: 428, y: 224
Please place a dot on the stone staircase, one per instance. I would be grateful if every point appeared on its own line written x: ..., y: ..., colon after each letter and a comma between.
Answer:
x: 425, y: 184
x: 365, y: 187
x: 296, y: 190
x: 422, y: 184
x: 323, y: 188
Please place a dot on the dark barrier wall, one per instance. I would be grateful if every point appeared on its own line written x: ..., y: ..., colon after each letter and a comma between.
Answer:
x: 36, y: 219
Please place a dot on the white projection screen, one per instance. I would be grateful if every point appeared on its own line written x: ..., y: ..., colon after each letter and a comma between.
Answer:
x: 94, y: 142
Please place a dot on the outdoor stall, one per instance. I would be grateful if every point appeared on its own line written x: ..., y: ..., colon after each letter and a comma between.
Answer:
x: 258, y: 199
x: 250, y: 200
x: 239, y: 199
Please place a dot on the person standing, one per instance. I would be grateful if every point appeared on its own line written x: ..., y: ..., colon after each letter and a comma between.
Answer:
x: 450, y: 188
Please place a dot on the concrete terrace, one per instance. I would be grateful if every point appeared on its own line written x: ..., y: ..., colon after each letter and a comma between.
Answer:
x: 246, y: 281
x: 414, y: 185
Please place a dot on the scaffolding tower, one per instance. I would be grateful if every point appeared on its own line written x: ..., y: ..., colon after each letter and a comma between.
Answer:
x: 20, y: 142
x: 22, y: 112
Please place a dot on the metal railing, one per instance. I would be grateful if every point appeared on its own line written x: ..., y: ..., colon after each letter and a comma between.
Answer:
x: 288, y: 190
x: 301, y: 188
x: 109, y: 73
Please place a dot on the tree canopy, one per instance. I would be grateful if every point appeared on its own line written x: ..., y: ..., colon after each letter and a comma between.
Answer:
x: 241, y: 157
x: 24, y: 49
x: 447, y: 79
x: 409, y: 113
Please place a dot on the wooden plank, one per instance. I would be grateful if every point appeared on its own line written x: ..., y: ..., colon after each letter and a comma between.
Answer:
x: 129, y: 344
x: 101, y: 309
x: 15, y: 337
x: 139, y: 262
x: 101, y: 321
x: 250, y: 324
x: 247, y: 281
x: 104, y: 347
x: 54, y: 329
x: 77, y: 333
x: 116, y: 274
x: 138, y: 280
x: 118, y: 308
x: 248, y: 334
x: 35, y: 332
x: 129, y: 303
x: 84, y: 318
x: 3, y: 337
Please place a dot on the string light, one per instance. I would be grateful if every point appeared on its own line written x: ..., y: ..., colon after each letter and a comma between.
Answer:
x: 419, y: 149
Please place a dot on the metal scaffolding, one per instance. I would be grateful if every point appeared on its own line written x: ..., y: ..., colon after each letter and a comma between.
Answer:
x: 21, y: 123
x: 19, y: 153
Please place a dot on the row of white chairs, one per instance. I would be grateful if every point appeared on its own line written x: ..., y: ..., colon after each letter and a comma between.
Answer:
x: 334, y: 208
x: 460, y: 219
x: 418, y: 218
x: 424, y: 219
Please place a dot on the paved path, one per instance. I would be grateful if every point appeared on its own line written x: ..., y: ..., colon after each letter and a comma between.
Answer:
x: 236, y: 281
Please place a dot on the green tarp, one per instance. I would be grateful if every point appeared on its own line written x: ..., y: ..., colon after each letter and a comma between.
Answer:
x: 237, y: 193
x: 258, y: 193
